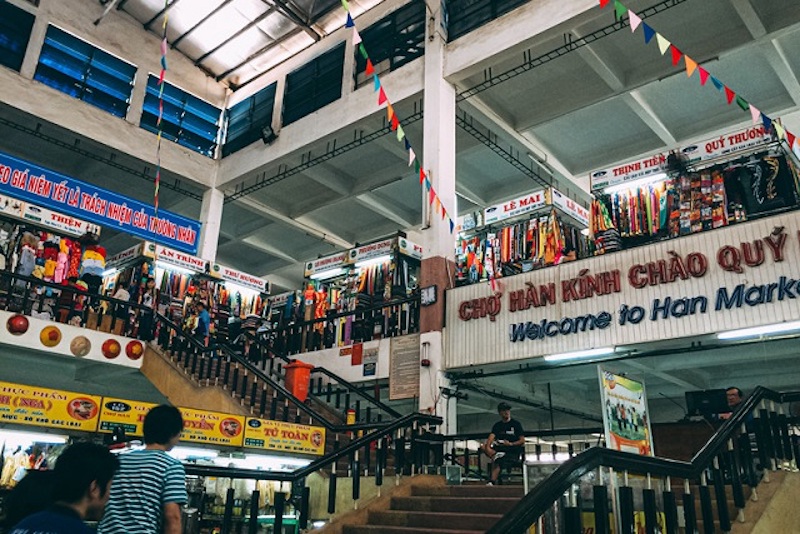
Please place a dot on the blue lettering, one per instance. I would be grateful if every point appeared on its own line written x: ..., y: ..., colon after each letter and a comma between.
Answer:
x: 736, y: 299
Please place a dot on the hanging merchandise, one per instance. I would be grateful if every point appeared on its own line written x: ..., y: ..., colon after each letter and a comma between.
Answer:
x: 526, y: 233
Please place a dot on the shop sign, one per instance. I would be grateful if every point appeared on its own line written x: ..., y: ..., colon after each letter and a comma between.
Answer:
x: 124, y: 413
x: 52, y: 408
x: 407, y: 248
x: 19, y: 179
x: 626, y: 418
x: 285, y: 437
x: 468, y: 222
x: 63, y: 224
x: 730, y: 278
x: 180, y: 259
x: 371, y: 251
x: 703, y: 151
x: 212, y: 428
x: 280, y: 300
x: 514, y: 207
x: 126, y: 255
x: 570, y: 207
x: 325, y: 263
x: 239, y: 278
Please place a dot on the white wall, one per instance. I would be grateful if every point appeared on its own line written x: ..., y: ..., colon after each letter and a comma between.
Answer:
x: 341, y: 364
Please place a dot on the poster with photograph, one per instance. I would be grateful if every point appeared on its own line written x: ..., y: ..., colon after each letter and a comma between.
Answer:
x: 625, y: 415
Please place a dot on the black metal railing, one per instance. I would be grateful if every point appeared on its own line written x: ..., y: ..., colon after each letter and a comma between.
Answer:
x: 386, y: 447
x: 756, y: 440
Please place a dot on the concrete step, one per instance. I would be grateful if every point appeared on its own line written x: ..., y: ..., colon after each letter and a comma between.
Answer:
x: 468, y: 505
x: 429, y: 520
x: 473, y: 491
x: 381, y: 529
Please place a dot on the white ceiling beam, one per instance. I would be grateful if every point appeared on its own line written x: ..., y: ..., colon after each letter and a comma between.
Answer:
x: 372, y: 202
x: 270, y: 249
x: 685, y: 384
x: 778, y: 60
x: 314, y: 230
x: 333, y: 179
x: 750, y: 18
x: 637, y: 103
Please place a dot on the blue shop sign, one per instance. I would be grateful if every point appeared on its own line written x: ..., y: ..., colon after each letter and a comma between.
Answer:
x: 22, y: 180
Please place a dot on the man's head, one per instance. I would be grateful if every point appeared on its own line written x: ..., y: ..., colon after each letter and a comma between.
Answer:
x: 82, y: 478
x: 162, y: 426
x: 200, y: 306
x: 504, y: 409
x: 151, y: 282
x: 734, y: 395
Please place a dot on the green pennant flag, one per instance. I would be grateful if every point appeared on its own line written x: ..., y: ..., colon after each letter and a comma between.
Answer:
x: 416, y: 166
x: 345, y: 5
x: 363, y: 51
x: 744, y: 104
x: 620, y: 9
x: 400, y: 133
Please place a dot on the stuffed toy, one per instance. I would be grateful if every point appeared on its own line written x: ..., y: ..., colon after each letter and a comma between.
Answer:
x: 93, y: 264
x: 50, y: 256
x: 61, y: 261
x: 27, y: 257
x: 74, y: 265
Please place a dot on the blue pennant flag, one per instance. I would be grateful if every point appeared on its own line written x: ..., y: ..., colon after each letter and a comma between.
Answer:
x: 408, y: 145
x: 349, y: 23
x: 649, y: 33
x: 767, y: 122
x: 377, y: 81
x: 452, y: 226
x: 718, y: 84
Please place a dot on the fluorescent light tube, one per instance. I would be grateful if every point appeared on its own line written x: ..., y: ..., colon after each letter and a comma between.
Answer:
x: 635, y: 184
x: 602, y: 351
x: 756, y: 331
x: 330, y: 273
x: 373, y: 261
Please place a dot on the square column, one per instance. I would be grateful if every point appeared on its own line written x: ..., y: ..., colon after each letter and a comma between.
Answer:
x: 211, y: 220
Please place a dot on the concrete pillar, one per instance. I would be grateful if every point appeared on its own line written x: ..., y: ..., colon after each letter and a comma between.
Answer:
x: 277, y: 106
x: 36, y: 41
x: 349, y: 70
x: 439, y: 162
x: 211, y: 219
x: 135, y: 108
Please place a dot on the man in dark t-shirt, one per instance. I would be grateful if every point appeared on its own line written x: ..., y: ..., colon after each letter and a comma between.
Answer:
x: 506, y: 443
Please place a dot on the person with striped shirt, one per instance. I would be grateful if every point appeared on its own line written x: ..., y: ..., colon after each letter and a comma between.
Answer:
x: 149, y: 490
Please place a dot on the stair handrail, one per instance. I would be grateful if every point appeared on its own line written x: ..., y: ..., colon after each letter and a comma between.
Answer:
x: 321, y: 419
x: 528, y: 433
x: 319, y: 463
x: 542, y: 497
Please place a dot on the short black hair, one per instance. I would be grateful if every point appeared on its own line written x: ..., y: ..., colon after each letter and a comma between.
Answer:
x: 32, y: 494
x: 738, y: 391
x: 503, y: 406
x: 80, y: 465
x: 161, y: 424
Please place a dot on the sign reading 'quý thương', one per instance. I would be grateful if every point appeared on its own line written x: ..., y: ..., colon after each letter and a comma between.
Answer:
x: 20, y: 179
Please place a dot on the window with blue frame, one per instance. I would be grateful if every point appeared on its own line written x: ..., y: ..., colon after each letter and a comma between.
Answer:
x: 83, y: 71
x: 15, y: 31
x: 247, y: 118
x: 314, y: 85
x: 187, y: 120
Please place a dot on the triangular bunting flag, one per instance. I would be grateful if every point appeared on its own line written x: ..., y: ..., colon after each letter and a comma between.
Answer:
x: 418, y: 169
x: 356, y: 36
x: 604, y: 3
x: 411, y: 157
x: 691, y: 66
x: 703, y: 75
x: 780, y: 131
x: 349, y: 23
x: 663, y: 44
x: 164, y: 46
x: 427, y: 184
x: 718, y: 84
x: 395, y: 123
x: 676, y: 56
x: 437, y: 204
x: 363, y: 51
x: 619, y: 10
x: 346, y: 6
x: 649, y: 33
x: 742, y: 103
x: 381, y: 97
x: 729, y: 94
x: 377, y: 82
x: 370, y: 69
x: 755, y: 113
x: 431, y: 195
x: 408, y: 145
x: 635, y: 20
x: 790, y: 138
x: 389, y: 112
x: 767, y: 122
x: 400, y: 133
x: 452, y: 226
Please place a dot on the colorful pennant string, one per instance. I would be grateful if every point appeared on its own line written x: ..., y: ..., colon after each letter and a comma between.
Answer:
x: 691, y: 66
x: 161, y: 76
x: 434, y: 201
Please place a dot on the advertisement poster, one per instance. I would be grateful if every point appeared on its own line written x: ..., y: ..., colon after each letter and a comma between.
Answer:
x: 125, y: 413
x: 404, y: 367
x: 212, y: 428
x: 52, y: 408
x: 370, y: 361
x: 625, y: 415
x: 287, y: 437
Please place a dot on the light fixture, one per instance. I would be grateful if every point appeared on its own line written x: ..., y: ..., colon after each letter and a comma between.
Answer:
x: 770, y: 329
x: 602, y: 351
x: 541, y: 162
x: 585, y: 231
x: 109, y: 272
x: 173, y: 268
x: 23, y: 438
x: 268, y: 135
x: 635, y: 184
x: 374, y: 261
x: 330, y: 273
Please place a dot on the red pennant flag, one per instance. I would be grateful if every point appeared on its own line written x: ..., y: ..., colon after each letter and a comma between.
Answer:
x: 703, y: 75
x: 395, y: 122
x: 431, y: 196
x: 370, y: 69
x: 790, y: 138
x: 729, y: 94
x: 421, y: 176
x: 676, y: 56
x: 381, y: 97
x: 604, y: 3
x: 443, y: 212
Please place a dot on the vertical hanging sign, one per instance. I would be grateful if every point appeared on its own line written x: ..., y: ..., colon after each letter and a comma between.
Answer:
x: 625, y: 415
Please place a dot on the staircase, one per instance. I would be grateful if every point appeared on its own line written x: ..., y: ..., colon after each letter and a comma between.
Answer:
x: 442, y: 510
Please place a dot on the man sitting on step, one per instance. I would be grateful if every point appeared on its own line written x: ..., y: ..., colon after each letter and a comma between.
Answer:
x: 506, y: 443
